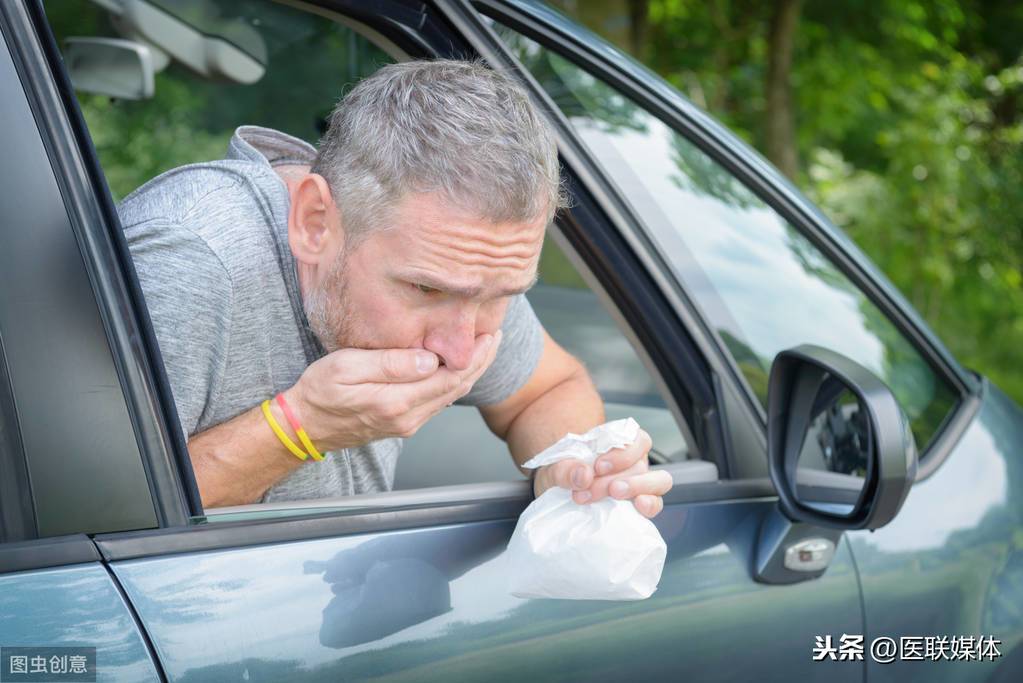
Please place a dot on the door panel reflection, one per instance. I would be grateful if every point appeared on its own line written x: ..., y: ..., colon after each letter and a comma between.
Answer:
x: 951, y: 562
x: 73, y: 606
x: 432, y: 604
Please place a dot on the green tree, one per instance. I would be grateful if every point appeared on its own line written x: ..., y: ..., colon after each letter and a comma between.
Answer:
x: 906, y: 116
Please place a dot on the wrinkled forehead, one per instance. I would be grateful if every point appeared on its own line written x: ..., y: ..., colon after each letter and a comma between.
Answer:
x: 468, y: 252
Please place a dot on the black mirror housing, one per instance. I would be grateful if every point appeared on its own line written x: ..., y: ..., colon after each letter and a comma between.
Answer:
x: 797, y: 377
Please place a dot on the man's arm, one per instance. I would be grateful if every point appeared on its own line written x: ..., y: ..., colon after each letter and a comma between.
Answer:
x: 346, y: 399
x: 237, y: 461
x: 559, y: 398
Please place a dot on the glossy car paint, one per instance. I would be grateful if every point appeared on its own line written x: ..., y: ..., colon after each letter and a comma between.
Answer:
x: 951, y: 562
x: 74, y: 606
x: 432, y: 604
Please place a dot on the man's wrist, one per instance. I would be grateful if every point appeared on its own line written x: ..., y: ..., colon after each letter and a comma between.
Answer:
x: 282, y: 420
x: 304, y: 414
x: 275, y: 416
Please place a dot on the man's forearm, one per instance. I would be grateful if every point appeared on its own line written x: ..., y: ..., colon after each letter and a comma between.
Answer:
x: 570, y: 406
x: 237, y: 461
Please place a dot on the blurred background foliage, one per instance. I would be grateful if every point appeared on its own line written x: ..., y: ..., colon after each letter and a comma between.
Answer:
x: 900, y: 118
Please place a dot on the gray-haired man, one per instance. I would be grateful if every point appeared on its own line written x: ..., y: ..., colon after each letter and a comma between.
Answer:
x: 372, y: 282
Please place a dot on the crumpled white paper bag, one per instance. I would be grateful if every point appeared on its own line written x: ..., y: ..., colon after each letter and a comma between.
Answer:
x: 595, y: 551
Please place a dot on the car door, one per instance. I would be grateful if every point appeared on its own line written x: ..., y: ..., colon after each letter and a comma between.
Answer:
x: 62, y: 614
x: 411, y: 584
x: 768, y: 271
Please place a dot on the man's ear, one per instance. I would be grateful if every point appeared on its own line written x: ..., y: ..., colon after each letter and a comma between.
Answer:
x: 314, y: 225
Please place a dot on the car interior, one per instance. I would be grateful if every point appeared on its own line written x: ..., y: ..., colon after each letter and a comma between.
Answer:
x: 163, y: 83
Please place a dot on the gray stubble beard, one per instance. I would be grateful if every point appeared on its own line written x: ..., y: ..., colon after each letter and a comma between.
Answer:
x: 325, y: 308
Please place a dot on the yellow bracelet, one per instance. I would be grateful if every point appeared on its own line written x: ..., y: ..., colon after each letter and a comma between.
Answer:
x: 288, y: 443
x: 307, y: 442
x: 297, y: 426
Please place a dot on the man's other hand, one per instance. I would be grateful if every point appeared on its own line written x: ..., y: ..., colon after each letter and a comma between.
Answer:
x: 622, y: 473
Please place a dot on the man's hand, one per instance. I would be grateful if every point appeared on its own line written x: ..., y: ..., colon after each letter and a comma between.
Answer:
x: 354, y: 396
x: 622, y: 473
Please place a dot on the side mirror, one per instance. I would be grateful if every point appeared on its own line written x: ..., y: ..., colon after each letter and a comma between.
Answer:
x: 840, y: 454
x: 110, y: 66
x: 833, y: 424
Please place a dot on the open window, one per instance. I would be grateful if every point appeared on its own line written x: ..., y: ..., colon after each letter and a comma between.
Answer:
x: 162, y: 84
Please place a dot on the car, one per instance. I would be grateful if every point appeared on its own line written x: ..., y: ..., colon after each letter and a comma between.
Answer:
x: 841, y: 480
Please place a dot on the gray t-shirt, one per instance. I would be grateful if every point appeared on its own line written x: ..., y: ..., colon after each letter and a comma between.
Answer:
x: 210, y: 247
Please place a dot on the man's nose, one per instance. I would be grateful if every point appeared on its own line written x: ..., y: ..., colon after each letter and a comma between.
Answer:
x: 454, y: 340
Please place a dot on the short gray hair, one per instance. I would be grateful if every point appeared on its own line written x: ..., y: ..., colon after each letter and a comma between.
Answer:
x: 448, y: 126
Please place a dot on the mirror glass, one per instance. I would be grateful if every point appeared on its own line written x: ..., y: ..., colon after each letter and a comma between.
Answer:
x: 832, y: 467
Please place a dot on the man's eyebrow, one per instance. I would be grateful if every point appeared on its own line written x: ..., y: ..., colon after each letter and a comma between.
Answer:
x: 428, y: 280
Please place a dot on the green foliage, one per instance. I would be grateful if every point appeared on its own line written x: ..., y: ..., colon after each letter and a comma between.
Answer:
x: 141, y: 140
x: 929, y: 187
x: 909, y: 124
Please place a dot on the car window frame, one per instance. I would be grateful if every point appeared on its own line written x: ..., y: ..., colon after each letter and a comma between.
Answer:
x: 194, y: 532
x: 343, y: 515
x: 758, y: 176
x: 24, y: 50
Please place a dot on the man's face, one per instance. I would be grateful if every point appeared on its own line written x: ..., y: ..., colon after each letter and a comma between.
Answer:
x: 436, y: 279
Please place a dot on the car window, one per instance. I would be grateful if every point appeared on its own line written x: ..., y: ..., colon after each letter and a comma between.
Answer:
x: 279, y: 54
x: 759, y: 282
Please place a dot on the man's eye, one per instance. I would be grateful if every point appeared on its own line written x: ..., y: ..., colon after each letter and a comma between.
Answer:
x: 425, y: 289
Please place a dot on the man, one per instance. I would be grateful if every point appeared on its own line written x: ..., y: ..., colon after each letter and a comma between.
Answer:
x: 372, y: 283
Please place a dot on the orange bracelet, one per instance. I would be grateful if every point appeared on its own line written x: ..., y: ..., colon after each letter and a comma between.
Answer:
x: 293, y: 421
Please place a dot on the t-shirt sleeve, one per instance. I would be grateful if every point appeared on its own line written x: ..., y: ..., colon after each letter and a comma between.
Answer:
x: 189, y: 297
x: 517, y: 357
